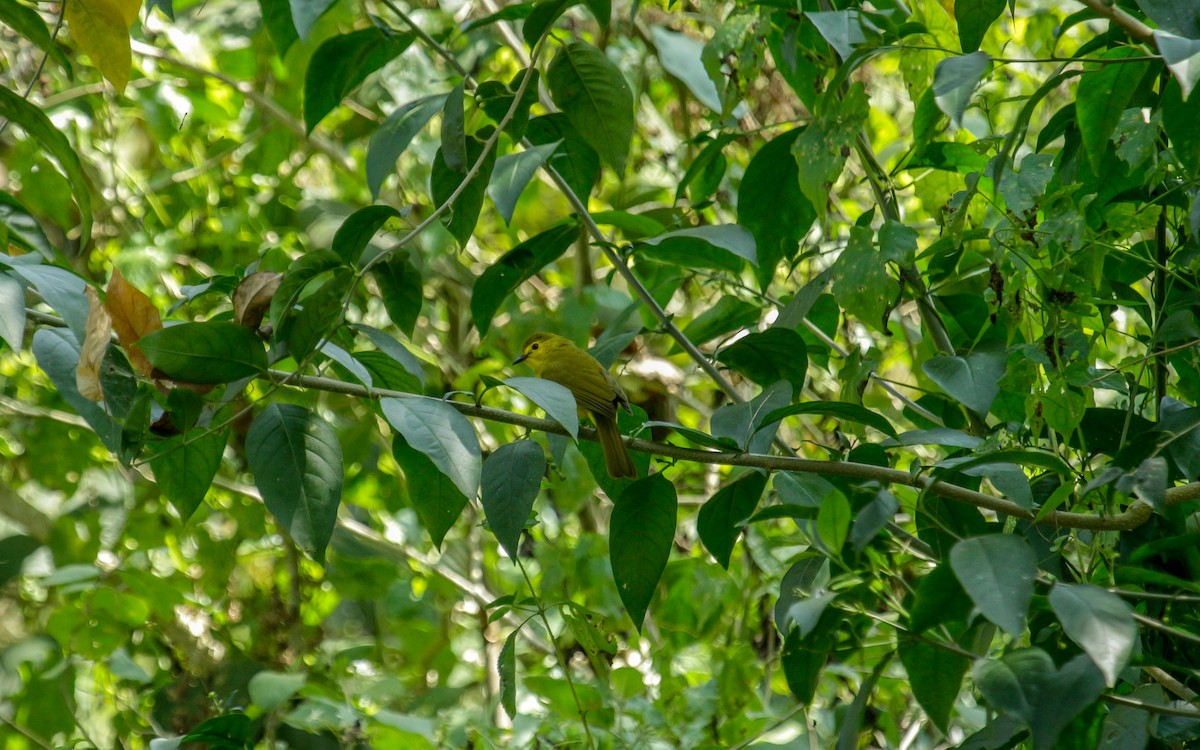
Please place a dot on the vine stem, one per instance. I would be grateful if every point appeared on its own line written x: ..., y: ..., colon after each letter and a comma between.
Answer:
x: 562, y: 660
x: 1135, y: 515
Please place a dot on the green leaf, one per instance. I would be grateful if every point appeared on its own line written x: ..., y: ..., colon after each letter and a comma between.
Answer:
x: 939, y: 599
x: 354, y: 367
x: 513, y: 173
x: 57, y: 353
x: 37, y: 125
x: 321, y: 309
x: 1176, y: 16
x: 394, y: 135
x: 12, y: 312
x: 306, y: 12
x: 434, y: 496
x: 591, y: 91
x: 496, y: 100
x: 184, y: 467
x: 841, y: 28
x: 833, y: 522
x: 742, y: 422
x: 542, y: 18
x: 806, y: 579
x: 1181, y: 121
x: 728, y: 315
x: 772, y: 206
x: 641, y: 532
x: 212, y: 352
x: 823, y: 145
x: 506, y: 667
x: 401, y: 290
x: 512, y: 476
x: 439, y: 431
x: 556, y: 400
x: 1100, y: 622
x: 871, y: 519
x: 277, y: 18
x: 973, y: 380
x: 502, y: 278
x: 1103, y: 94
x: 574, y: 160
x: 386, y: 372
x: 680, y: 55
x: 341, y: 63
x: 696, y: 436
x: 464, y: 212
x: 270, y: 690
x: 358, y: 229
x: 454, y: 130
x: 13, y: 551
x: 955, y: 80
x: 997, y: 571
x: 973, y: 18
x: 394, y: 349
x: 26, y: 22
x: 302, y: 270
x: 24, y: 231
x: 716, y: 245
x: 837, y: 410
x: 1182, y: 57
x: 1025, y: 684
x: 296, y: 460
x: 861, y: 282
x: 720, y: 518
x: 62, y: 290
x: 228, y: 732
x: 935, y: 676
x: 774, y: 354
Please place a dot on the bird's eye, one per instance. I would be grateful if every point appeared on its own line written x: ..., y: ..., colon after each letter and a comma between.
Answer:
x: 534, y: 346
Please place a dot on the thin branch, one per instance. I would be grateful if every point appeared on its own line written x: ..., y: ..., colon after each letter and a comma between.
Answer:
x: 1132, y: 26
x: 1135, y: 515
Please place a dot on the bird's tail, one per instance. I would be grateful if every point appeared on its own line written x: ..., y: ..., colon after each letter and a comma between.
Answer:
x: 616, y: 455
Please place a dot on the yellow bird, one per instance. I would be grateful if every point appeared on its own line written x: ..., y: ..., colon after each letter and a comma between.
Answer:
x: 597, y: 393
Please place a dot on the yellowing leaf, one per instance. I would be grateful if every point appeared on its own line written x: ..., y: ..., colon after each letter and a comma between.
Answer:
x: 101, y: 29
x: 95, y: 343
x: 133, y: 316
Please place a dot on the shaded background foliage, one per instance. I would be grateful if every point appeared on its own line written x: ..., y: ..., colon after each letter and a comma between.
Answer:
x: 949, y: 242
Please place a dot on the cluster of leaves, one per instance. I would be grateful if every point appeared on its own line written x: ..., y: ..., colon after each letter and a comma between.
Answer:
x: 953, y: 288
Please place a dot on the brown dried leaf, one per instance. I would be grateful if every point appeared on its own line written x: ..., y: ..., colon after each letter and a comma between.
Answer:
x: 253, y: 296
x: 97, y: 335
x: 133, y: 316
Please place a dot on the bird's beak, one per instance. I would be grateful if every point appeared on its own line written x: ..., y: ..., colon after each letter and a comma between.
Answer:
x: 520, y: 359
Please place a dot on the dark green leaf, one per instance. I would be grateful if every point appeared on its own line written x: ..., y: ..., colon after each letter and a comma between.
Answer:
x: 394, y: 135
x: 591, y: 91
x: 1100, y: 622
x: 212, y: 352
x: 871, y: 519
x: 437, y: 500
x: 512, y: 476
x: 973, y: 18
x: 62, y: 290
x: 861, y: 282
x: 973, y: 380
x: 1182, y: 57
x: 306, y: 12
x: 696, y: 436
x: 506, y: 667
x: 641, y: 532
x: 297, y: 464
x: 772, y: 205
x: 321, y: 309
x: 742, y: 422
x: 401, y: 291
x: 721, y: 245
x: 26, y: 22
x: 439, y: 431
x: 12, y: 312
x: 184, y: 467
x: 512, y: 269
x: 24, y: 231
x: 541, y: 19
x: 343, y: 62
x: 57, y: 353
x: 833, y: 522
x: 13, y: 551
x: 939, y: 599
x: 464, y: 212
x: 935, y: 675
x: 388, y: 372
x: 997, y: 571
x: 728, y: 315
x: 395, y: 350
x: 454, y: 130
x: 277, y: 17
x: 358, y: 229
x: 558, y: 402
x: 774, y: 354
x: 837, y: 410
x: 302, y: 270
x: 512, y: 173
x: 1181, y: 121
x: 1026, y: 685
x: 955, y: 80
x: 574, y: 160
x: 719, y: 521
x: 823, y: 145
x: 1103, y: 94
x: 496, y: 100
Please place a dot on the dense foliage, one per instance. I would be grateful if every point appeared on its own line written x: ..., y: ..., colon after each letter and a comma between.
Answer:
x: 905, y: 296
